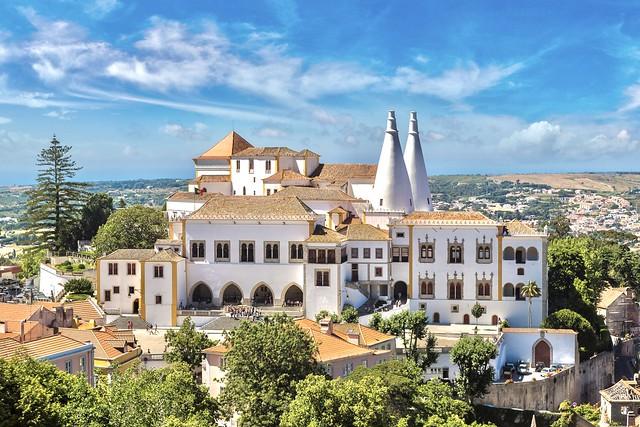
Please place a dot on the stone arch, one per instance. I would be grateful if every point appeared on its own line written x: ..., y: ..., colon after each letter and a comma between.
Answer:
x: 262, y: 295
x: 201, y: 294
x: 400, y: 291
x: 532, y: 254
x: 508, y: 290
x: 521, y: 255
x: 542, y: 352
x: 292, y: 295
x: 231, y: 294
x: 508, y: 254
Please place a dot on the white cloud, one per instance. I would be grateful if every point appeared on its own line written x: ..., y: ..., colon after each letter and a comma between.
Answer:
x: 633, y: 95
x: 4, y: 120
x: 271, y: 132
x: 454, y: 84
x: 197, y: 132
x: 623, y: 135
x: 335, y: 78
x: 62, y: 114
x: 101, y: 8
x: 421, y: 59
x: 435, y: 136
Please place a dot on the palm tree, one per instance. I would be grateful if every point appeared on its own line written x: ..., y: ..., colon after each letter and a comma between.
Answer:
x: 530, y: 291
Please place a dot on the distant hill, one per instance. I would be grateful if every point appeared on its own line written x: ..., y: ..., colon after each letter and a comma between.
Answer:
x: 614, y: 181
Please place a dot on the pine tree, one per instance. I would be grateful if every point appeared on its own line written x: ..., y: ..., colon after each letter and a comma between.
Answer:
x: 55, y: 202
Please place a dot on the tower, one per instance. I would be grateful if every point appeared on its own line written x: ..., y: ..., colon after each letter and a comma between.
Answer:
x: 414, y: 161
x: 392, y: 188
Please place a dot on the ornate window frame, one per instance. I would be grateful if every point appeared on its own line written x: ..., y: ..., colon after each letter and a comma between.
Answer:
x: 425, y: 248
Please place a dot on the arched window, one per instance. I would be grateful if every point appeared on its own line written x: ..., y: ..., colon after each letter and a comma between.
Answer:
x: 465, y: 319
x: 219, y: 253
x: 487, y: 252
x: 484, y: 289
x: 276, y: 251
x: 244, y: 254
x: 423, y: 287
x: 430, y: 251
x: 521, y: 256
x: 300, y: 251
x: 294, y: 252
x: 423, y: 251
x: 436, y: 317
x: 455, y: 290
x: 494, y: 320
x: 508, y: 290
x: 225, y: 251
x: 532, y: 254
x: 455, y: 254
x: 251, y: 253
x: 429, y: 288
x: 426, y: 252
x: 508, y: 254
x: 244, y: 191
x: 268, y: 251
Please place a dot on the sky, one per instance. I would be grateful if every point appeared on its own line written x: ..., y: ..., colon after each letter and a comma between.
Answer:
x: 139, y: 88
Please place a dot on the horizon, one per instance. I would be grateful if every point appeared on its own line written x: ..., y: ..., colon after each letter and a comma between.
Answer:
x: 139, y: 89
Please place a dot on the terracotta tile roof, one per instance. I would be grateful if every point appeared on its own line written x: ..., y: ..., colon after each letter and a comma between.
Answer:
x: 622, y: 391
x: 314, y: 193
x: 519, y: 228
x: 333, y: 172
x: 168, y: 242
x: 166, y: 255
x: 266, y: 151
x: 285, y: 175
x: 609, y: 296
x: 40, y: 348
x: 100, y: 340
x: 538, y: 330
x: 364, y: 232
x: 4, y: 335
x: 85, y: 310
x: 323, y: 234
x: 330, y: 347
x: 130, y: 254
x: 190, y: 196
x: 212, y: 178
x: 231, y: 144
x: 17, y: 312
x: 368, y: 336
x: 339, y: 210
x: 446, y: 217
x: 308, y: 153
x: 254, y: 208
x: 217, y: 349
x: 10, y: 269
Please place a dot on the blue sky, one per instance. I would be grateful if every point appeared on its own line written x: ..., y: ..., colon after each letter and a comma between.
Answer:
x: 140, y: 88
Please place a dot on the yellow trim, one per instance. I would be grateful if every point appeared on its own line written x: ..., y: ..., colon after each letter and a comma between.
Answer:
x: 184, y: 238
x: 98, y: 297
x: 312, y: 226
x: 499, y: 264
x: 171, y: 230
x: 410, y: 291
x: 276, y: 165
x: 143, y: 306
x: 174, y: 294
x: 364, y: 217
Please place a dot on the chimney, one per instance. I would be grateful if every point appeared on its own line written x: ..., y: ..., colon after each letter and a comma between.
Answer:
x: 416, y: 169
x: 353, y: 336
x: 68, y: 317
x: 3, y: 327
x: 59, y: 317
x: 326, y: 326
x: 392, y: 188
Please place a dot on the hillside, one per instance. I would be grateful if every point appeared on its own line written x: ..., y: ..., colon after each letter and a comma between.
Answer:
x: 611, y: 182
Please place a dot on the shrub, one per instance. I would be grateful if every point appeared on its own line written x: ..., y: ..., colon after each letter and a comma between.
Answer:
x: 79, y: 286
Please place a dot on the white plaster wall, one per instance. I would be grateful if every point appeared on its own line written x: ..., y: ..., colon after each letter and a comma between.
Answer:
x: 318, y: 298
x: 159, y: 314
x: 211, y: 167
x: 519, y: 346
x: 122, y: 301
x: 51, y: 283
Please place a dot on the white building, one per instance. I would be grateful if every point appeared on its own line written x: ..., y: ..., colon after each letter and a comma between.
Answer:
x: 274, y: 228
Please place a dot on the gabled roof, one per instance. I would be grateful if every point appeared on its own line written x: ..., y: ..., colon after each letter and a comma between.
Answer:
x: 190, y: 196
x: 102, y: 341
x: 368, y: 336
x: 254, y: 208
x: 331, y: 347
x: 231, y: 144
x: 314, y: 193
x: 519, y: 228
x: 40, y: 348
x: 609, y: 296
x: 364, y: 232
x: 446, y: 218
x: 323, y: 234
x: 308, y: 153
x: 85, y: 310
x: 622, y: 391
x: 211, y: 178
x: 17, y: 312
x: 217, y: 349
x: 333, y: 172
x: 267, y: 151
x: 130, y: 254
x: 166, y: 255
x: 285, y: 175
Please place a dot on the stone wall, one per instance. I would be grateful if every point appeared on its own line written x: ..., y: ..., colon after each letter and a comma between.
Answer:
x: 546, y: 395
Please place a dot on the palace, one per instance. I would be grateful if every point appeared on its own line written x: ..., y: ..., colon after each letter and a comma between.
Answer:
x: 276, y: 229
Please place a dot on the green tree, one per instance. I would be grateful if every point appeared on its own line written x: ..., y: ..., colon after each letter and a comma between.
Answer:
x: 559, y: 227
x: 94, y: 213
x: 136, y: 227
x: 349, y: 314
x: 79, y: 285
x: 30, y: 261
x: 530, y: 291
x: 568, y: 319
x: 435, y: 399
x: 477, y: 311
x: 326, y: 403
x: 54, y: 203
x: 473, y: 355
x: 122, y: 204
x: 264, y: 362
x: 186, y: 344
x: 322, y: 314
x: 412, y: 329
x: 156, y: 398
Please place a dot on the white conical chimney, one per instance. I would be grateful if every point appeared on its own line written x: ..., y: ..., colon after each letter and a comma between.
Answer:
x: 392, y: 189
x: 414, y: 160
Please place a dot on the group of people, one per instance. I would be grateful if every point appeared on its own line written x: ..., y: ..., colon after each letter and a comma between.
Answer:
x: 242, y: 311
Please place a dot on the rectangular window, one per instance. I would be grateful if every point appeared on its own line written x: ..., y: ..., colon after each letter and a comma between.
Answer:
x: 68, y: 366
x: 267, y: 166
x: 131, y: 269
x: 107, y: 295
x: 455, y: 308
x: 268, y: 191
x: 222, y: 250
x: 247, y: 251
x: 237, y: 165
x: 331, y: 256
x: 322, y: 278
x: 455, y: 254
x: 483, y: 254
x: 395, y: 254
x: 378, y: 253
x: 384, y: 290
x: 312, y: 256
x: 197, y: 249
x: 250, y: 165
x: 116, y: 289
x: 354, y: 253
x: 158, y: 299
x: 158, y: 271
x: 400, y: 234
x: 366, y: 253
x: 322, y: 256
x: 83, y: 364
x: 271, y: 251
x: 113, y: 269
x: 131, y: 290
x: 404, y: 254
x: 427, y: 252
x: 378, y: 271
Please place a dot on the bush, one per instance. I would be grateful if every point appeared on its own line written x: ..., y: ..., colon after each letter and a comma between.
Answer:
x: 79, y: 286
x: 349, y: 314
x: 81, y: 266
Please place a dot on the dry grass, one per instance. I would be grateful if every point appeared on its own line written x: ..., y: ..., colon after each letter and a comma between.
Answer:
x: 617, y: 182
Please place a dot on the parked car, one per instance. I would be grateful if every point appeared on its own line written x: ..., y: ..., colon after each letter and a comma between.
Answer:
x: 539, y: 366
x: 508, y: 370
x: 556, y: 367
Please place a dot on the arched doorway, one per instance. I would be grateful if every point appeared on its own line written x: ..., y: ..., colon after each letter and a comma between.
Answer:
x: 400, y: 292
x: 136, y: 306
x: 202, y: 295
x: 262, y: 295
x: 542, y: 353
x: 465, y: 319
x: 293, y: 297
x: 232, y: 295
x: 494, y: 320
